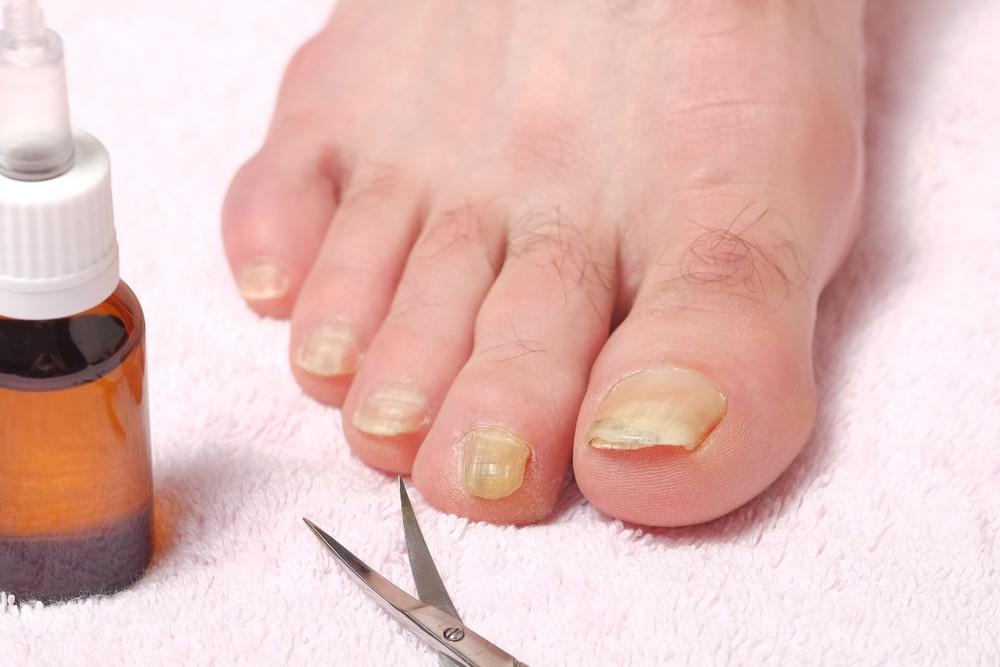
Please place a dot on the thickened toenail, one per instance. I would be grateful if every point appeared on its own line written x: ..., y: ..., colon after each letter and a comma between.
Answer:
x: 263, y: 281
x: 663, y: 406
x: 331, y: 349
x: 392, y: 410
x: 493, y: 461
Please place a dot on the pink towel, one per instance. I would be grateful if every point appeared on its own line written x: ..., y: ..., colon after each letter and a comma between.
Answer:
x: 878, y: 546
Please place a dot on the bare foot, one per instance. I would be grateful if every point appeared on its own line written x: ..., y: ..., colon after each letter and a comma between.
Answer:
x: 512, y: 234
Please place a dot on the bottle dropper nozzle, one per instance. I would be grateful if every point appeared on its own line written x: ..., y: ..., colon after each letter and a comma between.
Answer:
x: 36, y: 139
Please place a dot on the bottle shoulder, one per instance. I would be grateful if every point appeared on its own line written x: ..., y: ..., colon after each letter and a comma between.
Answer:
x: 47, y: 355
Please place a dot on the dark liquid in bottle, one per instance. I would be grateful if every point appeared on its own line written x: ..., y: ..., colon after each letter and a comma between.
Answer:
x: 75, y: 474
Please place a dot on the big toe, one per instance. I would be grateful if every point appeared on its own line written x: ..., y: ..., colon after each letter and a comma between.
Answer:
x: 698, y: 402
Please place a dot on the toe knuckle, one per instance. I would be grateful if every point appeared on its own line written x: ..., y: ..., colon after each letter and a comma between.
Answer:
x: 551, y: 241
x: 372, y: 181
x: 451, y: 230
x: 739, y: 262
x: 753, y: 258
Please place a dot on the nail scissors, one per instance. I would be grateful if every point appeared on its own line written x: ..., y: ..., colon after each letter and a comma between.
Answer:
x: 433, y: 618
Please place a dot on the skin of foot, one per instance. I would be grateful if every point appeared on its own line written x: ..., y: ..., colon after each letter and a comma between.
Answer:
x: 513, y: 237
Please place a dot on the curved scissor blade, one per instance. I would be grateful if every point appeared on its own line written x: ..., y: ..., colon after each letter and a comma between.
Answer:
x: 385, y: 590
x: 430, y: 587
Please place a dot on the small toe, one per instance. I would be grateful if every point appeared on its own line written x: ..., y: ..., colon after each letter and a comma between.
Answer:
x: 426, y: 338
x: 348, y: 291
x: 275, y: 215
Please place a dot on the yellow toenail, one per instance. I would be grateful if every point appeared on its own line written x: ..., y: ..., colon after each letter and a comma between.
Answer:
x: 493, y: 461
x: 392, y: 410
x: 330, y: 350
x: 263, y: 281
x: 664, y: 406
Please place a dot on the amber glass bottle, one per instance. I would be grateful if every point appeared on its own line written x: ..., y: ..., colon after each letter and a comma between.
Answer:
x: 75, y: 474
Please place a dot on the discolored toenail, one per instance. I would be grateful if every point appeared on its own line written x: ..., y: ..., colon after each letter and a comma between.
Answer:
x: 392, y: 410
x: 493, y: 462
x: 658, y: 407
x: 330, y: 350
x: 263, y: 281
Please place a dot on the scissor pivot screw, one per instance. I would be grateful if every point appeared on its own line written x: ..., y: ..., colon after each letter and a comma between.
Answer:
x: 454, y: 634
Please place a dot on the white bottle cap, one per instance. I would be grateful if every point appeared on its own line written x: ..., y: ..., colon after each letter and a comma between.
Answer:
x: 58, y: 251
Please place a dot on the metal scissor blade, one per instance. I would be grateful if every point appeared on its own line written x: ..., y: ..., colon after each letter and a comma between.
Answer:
x: 430, y: 586
x: 445, y: 633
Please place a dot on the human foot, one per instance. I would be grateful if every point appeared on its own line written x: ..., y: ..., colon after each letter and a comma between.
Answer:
x: 458, y: 202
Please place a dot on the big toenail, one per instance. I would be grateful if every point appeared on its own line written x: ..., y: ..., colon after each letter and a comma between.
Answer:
x: 659, y: 407
x: 493, y: 461
x: 331, y: 349
x: 263, y: 281
x: 392, y: 410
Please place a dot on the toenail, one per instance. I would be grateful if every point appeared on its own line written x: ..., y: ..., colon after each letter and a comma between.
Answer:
x: 263, y: 281
x: 392, y: 410
x: 331, y: 349
x: 663, y: 406
x: 493, y: 461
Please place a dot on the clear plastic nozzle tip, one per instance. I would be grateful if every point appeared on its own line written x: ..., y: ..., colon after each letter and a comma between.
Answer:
x: 36, y: 138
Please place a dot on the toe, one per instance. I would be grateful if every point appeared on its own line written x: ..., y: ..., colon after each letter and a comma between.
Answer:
x: 276, y: 213
x: 350, y: 286
x: 500, y: 446
x: 705, y: 393
x: 426, y: 338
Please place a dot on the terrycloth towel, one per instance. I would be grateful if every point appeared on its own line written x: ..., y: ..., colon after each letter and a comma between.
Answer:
x: 878, y: 546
